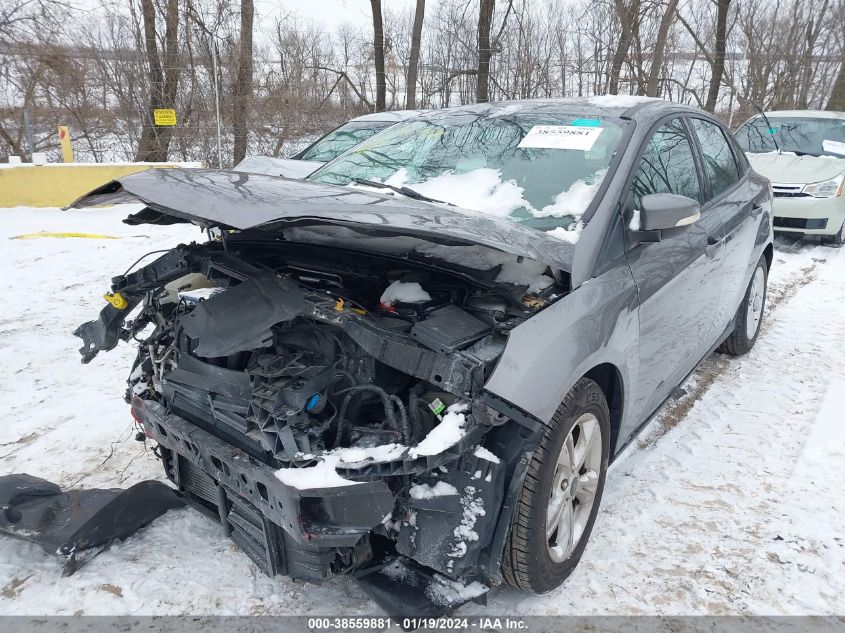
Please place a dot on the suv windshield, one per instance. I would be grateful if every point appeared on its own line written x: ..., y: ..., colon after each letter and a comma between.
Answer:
x: 537, y: 168
x: 800, y: 135
x: 338, y: 141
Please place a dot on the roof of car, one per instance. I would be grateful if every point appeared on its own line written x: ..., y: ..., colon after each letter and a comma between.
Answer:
x: 629, y: 106
x: 808, y: 114
x: 389, y: 115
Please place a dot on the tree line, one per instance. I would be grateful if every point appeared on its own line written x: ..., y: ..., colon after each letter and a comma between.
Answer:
x: 103, y: 71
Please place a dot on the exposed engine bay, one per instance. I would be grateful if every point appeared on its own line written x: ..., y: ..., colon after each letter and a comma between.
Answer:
x: 328, y: 408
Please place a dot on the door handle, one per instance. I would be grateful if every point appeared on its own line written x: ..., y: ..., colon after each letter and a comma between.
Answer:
x: 710, y: 249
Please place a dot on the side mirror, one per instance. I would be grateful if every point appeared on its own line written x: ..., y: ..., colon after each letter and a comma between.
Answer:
x: 667, y: 211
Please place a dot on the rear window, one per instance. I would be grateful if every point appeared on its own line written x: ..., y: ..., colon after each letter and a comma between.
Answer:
x: 343, y: 138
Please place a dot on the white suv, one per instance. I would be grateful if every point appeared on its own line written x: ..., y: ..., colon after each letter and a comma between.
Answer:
x: 802, y: 152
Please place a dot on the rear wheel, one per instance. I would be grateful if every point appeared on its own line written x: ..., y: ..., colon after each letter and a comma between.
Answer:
x: 561, y: 493
x: 749, y: 315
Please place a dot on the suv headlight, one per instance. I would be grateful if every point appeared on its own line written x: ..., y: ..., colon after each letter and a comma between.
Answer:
x: 828, y: 189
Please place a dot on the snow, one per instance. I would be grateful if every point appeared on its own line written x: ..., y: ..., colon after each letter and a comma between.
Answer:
x: 483, y: 453
x: 514, y: 270
x: 445, y: 591
x: 473, y: 507
x: 321, y: 475
x: 370, y: 455
x: 402, y: 292
x: 729, y: 503
x: 427, y: 491
x: 445, y: 435
x: 618, y: 101
x: 575, y: 200
x: 634, y: 224
x: 570, y: 234
x: 481, y: 190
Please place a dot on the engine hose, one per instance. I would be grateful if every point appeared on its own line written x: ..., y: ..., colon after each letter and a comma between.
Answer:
x: 404, y: 427
x: 414, y: 410
x: 354, y: 391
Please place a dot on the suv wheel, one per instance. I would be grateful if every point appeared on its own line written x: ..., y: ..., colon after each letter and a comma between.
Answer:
x: 749, y: 316
x: 561, y: 493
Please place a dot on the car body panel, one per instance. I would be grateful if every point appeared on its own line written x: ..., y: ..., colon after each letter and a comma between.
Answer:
x: 789, y: 168
x: 244, y: 201
x: 284, y: 167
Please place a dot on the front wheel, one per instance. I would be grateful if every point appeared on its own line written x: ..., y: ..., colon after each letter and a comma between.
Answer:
x: 561, y: 493
x: 838, y: 239
x: 749, y: 315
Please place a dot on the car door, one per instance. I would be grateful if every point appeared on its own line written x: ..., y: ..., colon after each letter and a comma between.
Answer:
x: 732, y: 196
x: 679, y: 277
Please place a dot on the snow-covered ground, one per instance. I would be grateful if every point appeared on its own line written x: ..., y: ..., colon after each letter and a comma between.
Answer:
x: 731, y: 502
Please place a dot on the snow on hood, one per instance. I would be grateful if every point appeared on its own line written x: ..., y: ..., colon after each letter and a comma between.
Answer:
x: 788, y: 168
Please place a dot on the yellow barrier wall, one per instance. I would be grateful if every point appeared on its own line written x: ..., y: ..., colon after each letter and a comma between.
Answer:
x: 59, y: 184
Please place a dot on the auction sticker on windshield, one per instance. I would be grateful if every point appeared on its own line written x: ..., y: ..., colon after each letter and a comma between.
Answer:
x: 836, y: 147
x: 561, y: 137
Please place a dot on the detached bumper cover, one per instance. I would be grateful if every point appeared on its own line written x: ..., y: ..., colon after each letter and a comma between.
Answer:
x: 78, y: 524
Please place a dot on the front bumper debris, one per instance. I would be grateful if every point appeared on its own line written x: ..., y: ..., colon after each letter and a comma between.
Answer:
x: 77, y: 524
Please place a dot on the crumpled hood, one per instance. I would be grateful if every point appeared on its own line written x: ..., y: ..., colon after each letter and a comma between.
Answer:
x: 242, y: 201
x: 788, y: 168
x: 286, y: 167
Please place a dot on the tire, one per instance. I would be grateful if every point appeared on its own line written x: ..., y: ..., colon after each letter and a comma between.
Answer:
x: 749, y: 315
x: 530, y: 562
x: 838, y: 239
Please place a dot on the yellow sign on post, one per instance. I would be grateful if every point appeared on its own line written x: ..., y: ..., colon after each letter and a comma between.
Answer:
x: 164, y: 117
x: 64, y: 140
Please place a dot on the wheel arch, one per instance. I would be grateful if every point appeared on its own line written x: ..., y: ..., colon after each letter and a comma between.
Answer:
x: 609, y: 379
x: 769, y: 254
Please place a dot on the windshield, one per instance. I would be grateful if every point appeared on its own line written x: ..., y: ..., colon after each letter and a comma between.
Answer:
x: 343, y: 138
x: 540, y: 169
x: 800, y: 135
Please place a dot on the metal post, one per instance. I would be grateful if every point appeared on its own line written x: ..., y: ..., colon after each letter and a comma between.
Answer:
x: 28, y: 128
x: 217, y: 107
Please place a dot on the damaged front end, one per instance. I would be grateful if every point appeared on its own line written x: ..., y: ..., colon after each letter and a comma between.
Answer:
x: 328, y: 408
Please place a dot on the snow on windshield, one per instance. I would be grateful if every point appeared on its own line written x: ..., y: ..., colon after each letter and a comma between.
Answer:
x: 484, y: 190
x: 479, y: 190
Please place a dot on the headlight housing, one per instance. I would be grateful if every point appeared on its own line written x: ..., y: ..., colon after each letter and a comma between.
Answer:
x: 826, y: 189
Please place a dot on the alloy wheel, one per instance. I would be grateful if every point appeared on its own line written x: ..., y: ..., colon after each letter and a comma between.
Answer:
x: 574, y: 487
x: 756, y: 297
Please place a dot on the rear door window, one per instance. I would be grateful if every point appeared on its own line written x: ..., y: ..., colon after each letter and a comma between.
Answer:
x: 667, y: 165
x: 719, y: 162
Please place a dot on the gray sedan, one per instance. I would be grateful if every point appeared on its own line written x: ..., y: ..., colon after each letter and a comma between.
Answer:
x: 415, y: 366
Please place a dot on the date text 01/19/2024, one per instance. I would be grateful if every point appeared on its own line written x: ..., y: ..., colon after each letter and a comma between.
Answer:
x: 410, y: 623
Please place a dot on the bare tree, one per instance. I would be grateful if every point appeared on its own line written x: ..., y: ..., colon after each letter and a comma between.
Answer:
x: 243, y: 84
x: 414, y: 56
x: 378, y: 55
x: 718, y: 63
x: 660, y: 48
x: 163, y: 78
x: 485, y: 24
x: 629, y: 16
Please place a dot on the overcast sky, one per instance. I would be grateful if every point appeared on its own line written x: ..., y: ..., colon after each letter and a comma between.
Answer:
x: 329, y: 12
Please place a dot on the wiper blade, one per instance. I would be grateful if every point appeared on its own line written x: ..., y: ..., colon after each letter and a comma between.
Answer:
x: 405, y: 191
